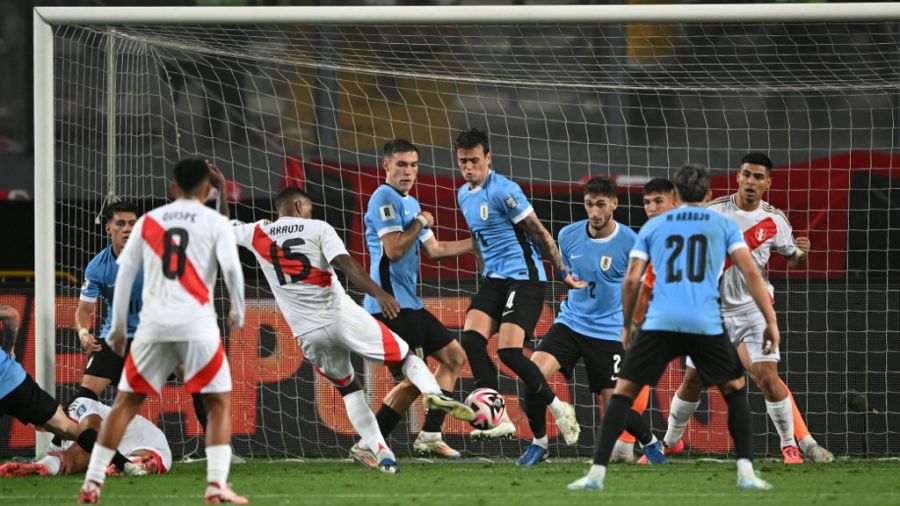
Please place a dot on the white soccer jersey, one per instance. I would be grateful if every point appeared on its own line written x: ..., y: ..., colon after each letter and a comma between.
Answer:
x: 140, y: 434
x: 765, y: 229
x: 178, y: 245
x: 295, y: 255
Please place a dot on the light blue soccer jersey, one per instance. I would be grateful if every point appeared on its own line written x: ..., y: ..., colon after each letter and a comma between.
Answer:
x: 688, y: 247
x: 595, y: 310
x: 492, y: 210
x: 391, y: 211
x: 11, y: 374
x: 100, y: 280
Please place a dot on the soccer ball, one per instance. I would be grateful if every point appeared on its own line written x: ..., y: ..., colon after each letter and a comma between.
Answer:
x: 489, y: 407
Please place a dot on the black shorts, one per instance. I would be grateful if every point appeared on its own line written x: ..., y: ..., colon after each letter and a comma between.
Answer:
x: 106, y: 364
x: 424, y: 333
x: 602, y: 358
x: 715, y: 357
x: 511, y: 301
x: 29, y: 403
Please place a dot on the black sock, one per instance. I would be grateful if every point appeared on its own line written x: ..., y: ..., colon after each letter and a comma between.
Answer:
x: 85, y: 392
x: 739, y: 423
x: 484, y: 372
x: 612, y: 426
x: 635, y: 426
x: 200, y: 410
x: 536, y: 411
x: 528, y: 372
x: 88, y: 438
x: 387, y: 419
x: 434, y: 418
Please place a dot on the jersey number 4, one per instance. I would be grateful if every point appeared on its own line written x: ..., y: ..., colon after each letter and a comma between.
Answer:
x: 696, y: 258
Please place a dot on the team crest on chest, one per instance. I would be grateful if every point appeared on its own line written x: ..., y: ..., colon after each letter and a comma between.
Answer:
x: 484, y: 212
x: 605, y: 262
x: 760, y: 234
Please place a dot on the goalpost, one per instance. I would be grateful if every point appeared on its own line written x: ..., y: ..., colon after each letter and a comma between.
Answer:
x: 307, y: 95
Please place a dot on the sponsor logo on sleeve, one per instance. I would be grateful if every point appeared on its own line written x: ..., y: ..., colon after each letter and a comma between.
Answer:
x: 387, y: 212
x: 511, y: 202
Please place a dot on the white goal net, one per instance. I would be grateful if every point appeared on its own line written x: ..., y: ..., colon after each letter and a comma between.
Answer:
x: 312, y: 105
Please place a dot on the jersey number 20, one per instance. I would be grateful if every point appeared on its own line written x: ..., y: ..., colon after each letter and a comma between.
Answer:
x: 696, y: 258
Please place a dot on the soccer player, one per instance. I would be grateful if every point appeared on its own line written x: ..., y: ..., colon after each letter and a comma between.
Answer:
x: 765, y: 228
x: 178, y: 245
x: 397, y: 229
x: 658, y: 197
x: 296, y: 254
x: 511, y: 243
x: 688, y: 247
x: 24, y: 400
x: 589, y: 323
x: 143, y: 443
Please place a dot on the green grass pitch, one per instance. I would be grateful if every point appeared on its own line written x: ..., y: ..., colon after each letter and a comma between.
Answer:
x: 483, y: 483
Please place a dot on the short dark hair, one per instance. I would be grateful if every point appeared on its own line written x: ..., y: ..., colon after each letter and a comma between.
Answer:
x: 757, y: 159
x: 119, y: 207
x: 601, y: 185
x: 8, y: 335
x: 289, y: 194
x: 692, y: 182
x: 190, y: 173
x: 472, y: 138
x: 399, y: 146
x: 658, y: 185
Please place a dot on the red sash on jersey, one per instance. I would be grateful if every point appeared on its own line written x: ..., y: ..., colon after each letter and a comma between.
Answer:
x: 262, y: 243
x: 756, y: 236
x: 153, y: 234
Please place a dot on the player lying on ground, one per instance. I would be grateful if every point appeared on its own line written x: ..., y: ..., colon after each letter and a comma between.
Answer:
x: 511, y: 243
x: 397, y: 229
x: 178, y: 246
x: 765, y: 229
x: 24, y: 400
x: 688, y: 247
x: 298, y: 255
x: 589, y: 323
x: 143, y: 444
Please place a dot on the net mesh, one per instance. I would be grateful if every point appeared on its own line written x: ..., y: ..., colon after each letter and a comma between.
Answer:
x: 311, y: 106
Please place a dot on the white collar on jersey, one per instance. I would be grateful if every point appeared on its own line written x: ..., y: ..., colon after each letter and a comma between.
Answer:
x: 479, y: 187
x: 608, y: 238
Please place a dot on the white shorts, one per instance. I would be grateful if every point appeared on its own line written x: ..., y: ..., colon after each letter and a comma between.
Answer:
x: 747, y: 328
x: 356, y: 331
x: 148, y: 364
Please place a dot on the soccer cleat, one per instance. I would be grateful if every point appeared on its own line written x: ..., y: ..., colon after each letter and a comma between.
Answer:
x: 90, y: 492
x: 568, y: 424
x: 435, y: 447
x: 819, y: 454
x: 622, y: 453
x: 753, y: 483
x: 363, y: 456
x: 534, y: 454
x: 388, y: 466
x: 217, y: 494
x: 586, y: 483
x: 133, y: 469
x: 792, y: 455
x: 11, y: 469
x: 668, y: 452
x: 453, y: 407
x: 504, y: 429
x: 655, y: 454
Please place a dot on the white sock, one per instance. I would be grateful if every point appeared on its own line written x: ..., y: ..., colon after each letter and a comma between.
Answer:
x: 430, y: 436
x: 597, y: 472
x: 364, y: 422
x: 652, y: 440
x: 556, y: 407
x: 680, y: 413
x: 218, y: 463
x: 543, y: 442
x: 417, y: 372
x: 782, y: 416
x: 52, y: 464
x: 101, y: 456
x: 745, y: 468
x: 807, y: 443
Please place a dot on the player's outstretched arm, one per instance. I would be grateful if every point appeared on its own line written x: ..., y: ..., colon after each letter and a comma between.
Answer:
x: 759, y: 291
x: 217, y: 179
x: 631, y: 286
x: 437, y: 250
x: 355, y: 273
x: 232, y: 274
x: 396, y: 244
x: 83, y: 323
x: 535, y: 229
